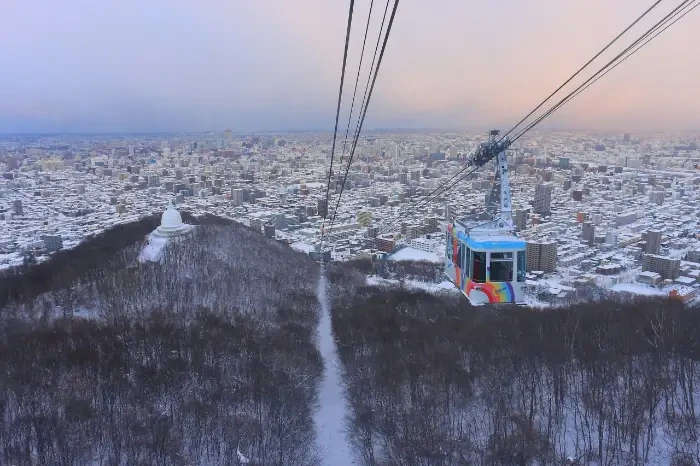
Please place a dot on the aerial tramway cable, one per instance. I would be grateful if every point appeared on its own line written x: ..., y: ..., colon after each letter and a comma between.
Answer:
x: 364, y: 111
x: 443, y: 186
x: 337, y: 112
x: 447, y: 185
x: 371, y: 69
x: 357, y: 80
x: 612, y: 63
x: 583, y: 67
x: 635, y: 50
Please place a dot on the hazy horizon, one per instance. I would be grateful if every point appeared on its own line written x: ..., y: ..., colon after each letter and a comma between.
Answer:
x: 274, y: 66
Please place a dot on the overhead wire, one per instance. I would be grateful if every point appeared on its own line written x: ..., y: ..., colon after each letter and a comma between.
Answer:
x: 364, y: 111
x: 638, y: 47
x: 364, y: 98
x: 337, y: 112
x: 599, y: 74
x: 357, y: 80
x: 615, y: 39
x: 654, y: 5
x: 676, y: 11
x: 371, y: 68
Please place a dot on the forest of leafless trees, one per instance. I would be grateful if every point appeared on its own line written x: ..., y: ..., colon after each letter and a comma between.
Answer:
x: 207, y: 358
x: 432, y: 381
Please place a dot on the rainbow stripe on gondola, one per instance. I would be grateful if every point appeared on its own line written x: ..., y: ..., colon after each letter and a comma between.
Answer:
x: 497, y: 292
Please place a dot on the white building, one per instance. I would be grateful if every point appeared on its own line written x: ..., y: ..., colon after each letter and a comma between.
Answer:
x: 171, y: 224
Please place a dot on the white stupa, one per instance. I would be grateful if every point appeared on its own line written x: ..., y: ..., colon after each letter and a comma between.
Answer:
x: 170, y: 224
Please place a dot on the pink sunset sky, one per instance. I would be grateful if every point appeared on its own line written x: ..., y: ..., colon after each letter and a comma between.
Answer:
x: 254, y: 65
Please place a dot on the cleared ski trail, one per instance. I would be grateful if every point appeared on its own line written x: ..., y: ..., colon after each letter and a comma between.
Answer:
x: 330, y: 418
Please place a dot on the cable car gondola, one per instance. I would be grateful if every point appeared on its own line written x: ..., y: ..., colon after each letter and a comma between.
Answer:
x: 486, y: 260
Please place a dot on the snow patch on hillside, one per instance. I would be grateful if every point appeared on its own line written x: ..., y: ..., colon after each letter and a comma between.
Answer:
x: 302, y: 247
x: 412, y: 254
x: 153, y: 249
x: 638, y: 288
x: 413, y: 284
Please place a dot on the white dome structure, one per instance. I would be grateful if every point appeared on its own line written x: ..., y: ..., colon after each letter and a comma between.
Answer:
x: 170, y: 224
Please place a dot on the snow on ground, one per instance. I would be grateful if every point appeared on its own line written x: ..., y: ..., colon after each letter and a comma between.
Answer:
x: 86, y: 313
x: 330, y: 418
x: 411, y: 254
x: 302, y: 247
x: 532, y: 301
x: 10, y: 260
x: 413, y: 284
x: 638, y: 288
x: 153, y: 249
x: 241, y: 457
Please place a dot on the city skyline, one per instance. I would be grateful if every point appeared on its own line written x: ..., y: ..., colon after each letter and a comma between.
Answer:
x: 84, y: 67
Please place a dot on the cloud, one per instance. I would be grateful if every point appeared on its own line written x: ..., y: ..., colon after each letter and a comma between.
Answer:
x: 79, y: 65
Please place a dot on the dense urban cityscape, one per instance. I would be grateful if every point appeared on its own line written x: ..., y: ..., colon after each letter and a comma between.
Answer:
x: 350, y: 233
x: 619, y: 211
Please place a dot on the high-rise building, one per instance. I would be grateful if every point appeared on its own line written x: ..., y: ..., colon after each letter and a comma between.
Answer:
x: 237, y: 196
x: 384, y: 244
x: 228, y: 135
x: 588, y: 233
x: 625, y: 218
x: 17, y: 207
x: 653, y: 241
x: 322, y: 208
x: 667, y: 267
x: 693, y: 256
x: 52, y: 242
x: 431, y: 224
x: 657, y: 197
x: 414, y: 231
x: 564, y: 163
x: 541, y: 256
x: 520, y: 220
x: 543, y: 199
x: 364, y: 218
